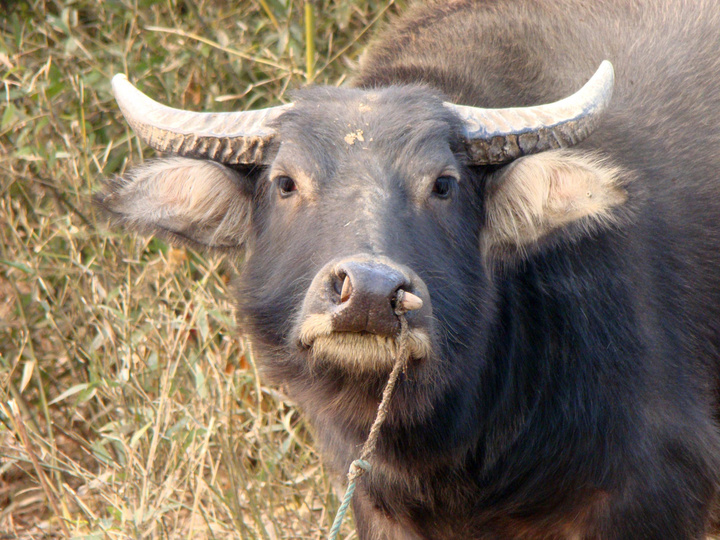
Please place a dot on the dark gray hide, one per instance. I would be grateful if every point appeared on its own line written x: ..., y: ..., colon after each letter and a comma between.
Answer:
x: 564, y: 374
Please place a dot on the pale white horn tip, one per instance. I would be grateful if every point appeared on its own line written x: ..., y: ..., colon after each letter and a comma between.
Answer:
x: 607, y: 69
x: 118, y: 81
x: 118, y: 77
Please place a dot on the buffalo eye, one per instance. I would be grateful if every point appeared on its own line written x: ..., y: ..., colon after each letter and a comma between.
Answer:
x: 442, y: 186
x: 286, y: 185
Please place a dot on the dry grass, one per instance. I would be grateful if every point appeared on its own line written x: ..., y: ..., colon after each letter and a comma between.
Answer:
x: 129, y: 407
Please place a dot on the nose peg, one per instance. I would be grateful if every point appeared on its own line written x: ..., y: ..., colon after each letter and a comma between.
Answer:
x: 406, y: 301
x: 369, y: 295
x: 366, y: 295
x: 403, y: 301
x: 346, y: 290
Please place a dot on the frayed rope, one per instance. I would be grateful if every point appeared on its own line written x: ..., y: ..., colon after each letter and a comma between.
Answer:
x: 362, y: 465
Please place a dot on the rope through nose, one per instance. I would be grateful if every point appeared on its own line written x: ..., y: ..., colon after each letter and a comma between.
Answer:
x: 362, y: 465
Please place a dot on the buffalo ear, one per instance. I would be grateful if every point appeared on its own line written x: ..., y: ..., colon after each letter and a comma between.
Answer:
x: 185, y: 200
x: 538, y: 196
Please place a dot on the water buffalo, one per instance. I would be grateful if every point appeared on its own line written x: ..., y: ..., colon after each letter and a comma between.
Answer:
x: 563, y: 379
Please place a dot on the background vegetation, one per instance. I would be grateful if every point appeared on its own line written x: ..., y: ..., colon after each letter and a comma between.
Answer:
x: 129, y: 405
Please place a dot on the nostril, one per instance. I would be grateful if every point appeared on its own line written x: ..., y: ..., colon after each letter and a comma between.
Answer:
x: 395, y: 296
x: 342, y: 286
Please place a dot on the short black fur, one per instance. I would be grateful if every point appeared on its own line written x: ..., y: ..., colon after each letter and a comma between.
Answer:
x: 573, y: 391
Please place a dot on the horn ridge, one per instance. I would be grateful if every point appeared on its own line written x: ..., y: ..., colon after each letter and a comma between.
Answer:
x: 497, y: 136
x: 228, y: 137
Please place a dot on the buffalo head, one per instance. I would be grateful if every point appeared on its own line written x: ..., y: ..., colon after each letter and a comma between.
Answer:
x: 346, y: 197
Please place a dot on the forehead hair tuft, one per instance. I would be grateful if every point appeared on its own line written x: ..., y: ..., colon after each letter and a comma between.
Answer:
x: 403, y: 114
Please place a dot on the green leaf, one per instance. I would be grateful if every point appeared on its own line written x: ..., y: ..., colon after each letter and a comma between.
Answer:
x: 200, y: 381
x: 28, y: 369
x: 139, y: 434
x: 9, y: 116
x: 19, y: 266
x: 69, y: 392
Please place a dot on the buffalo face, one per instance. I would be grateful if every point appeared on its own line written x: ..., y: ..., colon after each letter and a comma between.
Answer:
x: 367, y: 194
x: 347, y: 197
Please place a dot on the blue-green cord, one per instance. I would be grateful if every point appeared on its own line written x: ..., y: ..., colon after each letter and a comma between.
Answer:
x: 360, y: 466
x: 335, y: 529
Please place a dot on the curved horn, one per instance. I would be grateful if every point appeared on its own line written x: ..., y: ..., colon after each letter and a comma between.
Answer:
x: 497, y: 136
x: 231, y: 138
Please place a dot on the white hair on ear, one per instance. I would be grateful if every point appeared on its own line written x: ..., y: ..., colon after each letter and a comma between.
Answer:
x: 197, y: 200
x: 539, y: 194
